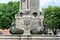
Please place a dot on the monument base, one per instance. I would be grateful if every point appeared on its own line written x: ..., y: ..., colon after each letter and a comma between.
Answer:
x: 27, y: 32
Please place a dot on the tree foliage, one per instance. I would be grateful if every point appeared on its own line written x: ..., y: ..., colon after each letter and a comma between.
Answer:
x: 52, y: 17
x: 7, y: 14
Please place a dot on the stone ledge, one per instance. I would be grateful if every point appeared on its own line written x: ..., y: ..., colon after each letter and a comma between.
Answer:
x: 28, y: 37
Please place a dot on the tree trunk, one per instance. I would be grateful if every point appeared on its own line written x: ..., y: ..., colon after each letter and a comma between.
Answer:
x: 54, y: 31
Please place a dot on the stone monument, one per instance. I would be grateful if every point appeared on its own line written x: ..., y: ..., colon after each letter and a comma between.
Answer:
x: 25, y: 19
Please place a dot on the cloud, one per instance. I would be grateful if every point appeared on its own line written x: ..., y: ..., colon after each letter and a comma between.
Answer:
x: 5, y: 1
x: 46, y: 3
x: 57, y: 2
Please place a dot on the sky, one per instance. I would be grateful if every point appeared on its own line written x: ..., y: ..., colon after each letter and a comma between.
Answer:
x: 43, y: 3
x: 46, y: 3
x: 5, y: 1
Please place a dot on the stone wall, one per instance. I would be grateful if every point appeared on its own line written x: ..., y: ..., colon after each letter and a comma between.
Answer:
x: 29, y: 37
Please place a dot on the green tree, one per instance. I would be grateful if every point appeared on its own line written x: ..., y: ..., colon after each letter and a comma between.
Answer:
x: 7, y: 14
x: 52, y: 17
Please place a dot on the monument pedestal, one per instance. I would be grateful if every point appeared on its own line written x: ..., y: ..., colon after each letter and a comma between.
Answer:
x: 29, y: 16
x: 27, y: 32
